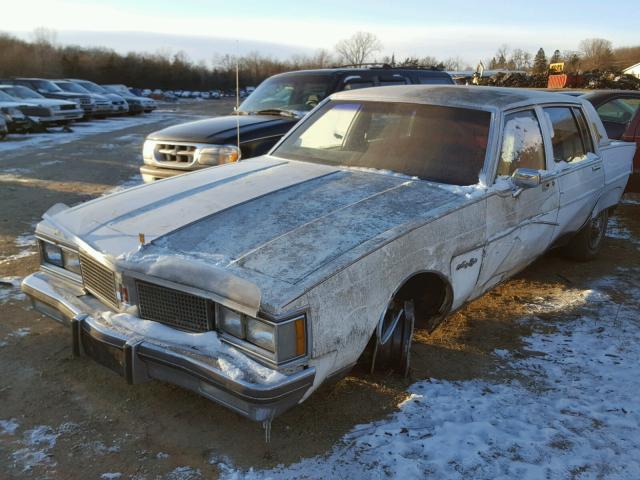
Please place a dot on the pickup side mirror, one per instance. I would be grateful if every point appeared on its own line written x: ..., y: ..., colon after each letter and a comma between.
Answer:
x: 526, y: 178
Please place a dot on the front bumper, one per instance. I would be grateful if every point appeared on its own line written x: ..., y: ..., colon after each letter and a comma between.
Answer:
x: 151, y: 174
x: 140, y: 359
x: 19, y: 124
x: 60, y: 116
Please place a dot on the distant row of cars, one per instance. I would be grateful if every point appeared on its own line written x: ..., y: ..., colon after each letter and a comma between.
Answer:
x: 159, y: 94
x: 28, y: 104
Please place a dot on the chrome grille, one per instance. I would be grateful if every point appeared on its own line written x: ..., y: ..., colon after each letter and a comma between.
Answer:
x: 98, y: 280
x: 172, y: 153
x: 173, y: 307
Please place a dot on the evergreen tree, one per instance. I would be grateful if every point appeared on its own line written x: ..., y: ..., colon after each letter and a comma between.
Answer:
x: 556, y: 57
x: 540, y: 62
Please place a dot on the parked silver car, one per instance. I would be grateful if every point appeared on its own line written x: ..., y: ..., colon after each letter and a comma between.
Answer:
x: 120, y: 105
x: 44, y: 111
x: 255, y: 282
x: 103, y: 106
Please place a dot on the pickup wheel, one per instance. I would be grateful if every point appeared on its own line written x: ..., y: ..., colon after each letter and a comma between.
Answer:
x: 587, y: 243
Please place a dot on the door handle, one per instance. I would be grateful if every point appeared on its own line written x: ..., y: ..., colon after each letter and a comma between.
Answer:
x: 595, y: 168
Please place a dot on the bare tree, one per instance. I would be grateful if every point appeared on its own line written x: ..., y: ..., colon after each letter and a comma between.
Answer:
x: 519, y: 60
x: 358, y: 48
x: 596, y: 53
x: 44, y: 36
x: 452, y: 63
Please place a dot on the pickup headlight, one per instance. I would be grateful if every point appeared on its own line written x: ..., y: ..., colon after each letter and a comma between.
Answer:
x: 218, y: 155
x: 285, y: 340
x: 60, y: 257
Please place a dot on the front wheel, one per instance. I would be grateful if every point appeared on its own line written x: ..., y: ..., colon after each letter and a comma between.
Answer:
x: 393, y: 346
x: 587, y: 243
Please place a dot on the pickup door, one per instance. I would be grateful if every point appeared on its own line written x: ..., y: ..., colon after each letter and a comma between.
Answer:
x: 579, y: 171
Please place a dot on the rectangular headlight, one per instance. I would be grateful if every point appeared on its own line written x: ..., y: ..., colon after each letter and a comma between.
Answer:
x: 52, y: 254
x: 231, y: 322
x: 286, y: 340
x: 71, y: 261
x: 261, y: 334
x: 60, y: 257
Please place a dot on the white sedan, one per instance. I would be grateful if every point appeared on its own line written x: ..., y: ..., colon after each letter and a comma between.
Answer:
x: 253, y: 283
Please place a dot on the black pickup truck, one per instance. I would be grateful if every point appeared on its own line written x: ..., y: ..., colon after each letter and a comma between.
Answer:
x: 264, y: 117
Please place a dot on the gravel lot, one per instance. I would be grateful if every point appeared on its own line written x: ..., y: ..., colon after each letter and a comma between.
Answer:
x: 537, y: 379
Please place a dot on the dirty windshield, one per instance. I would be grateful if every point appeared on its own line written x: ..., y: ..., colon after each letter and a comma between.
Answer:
x: 287, y: 94
x: 442, y: 144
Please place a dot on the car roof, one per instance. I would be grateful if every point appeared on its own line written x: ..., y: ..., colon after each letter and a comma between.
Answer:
x: 330, y: 71
x: 457, y: 95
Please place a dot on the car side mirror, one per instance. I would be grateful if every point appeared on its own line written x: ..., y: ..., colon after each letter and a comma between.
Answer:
x: 524, y: 178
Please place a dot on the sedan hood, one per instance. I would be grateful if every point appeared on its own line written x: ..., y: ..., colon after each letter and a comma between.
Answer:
x: 268, y: 220
x: 221, y: 129
x: 13, y: 104
x: 48, y: 102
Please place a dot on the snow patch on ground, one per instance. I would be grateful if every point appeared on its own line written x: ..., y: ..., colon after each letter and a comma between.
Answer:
x: 21, y: 332
x: 37, y: 443
x: 184, y: 473
x: 573, y: 413
x: 616, y: 230
x: 111, y: 476
x: 133, y: 181
x: 79, y: 130
x: 50, y: 162
x: 25, y: 240
x: 18, y: 256
x: 10, y: 289
x: 8, y: 427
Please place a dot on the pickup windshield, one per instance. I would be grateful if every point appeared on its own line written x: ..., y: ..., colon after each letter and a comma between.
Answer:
x: 295, y: 94
x: 442, y: 144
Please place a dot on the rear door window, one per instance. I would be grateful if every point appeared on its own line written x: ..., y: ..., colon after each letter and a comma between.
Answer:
x: 522, y: 144
x: 566, y: 137
x: 395, y: 79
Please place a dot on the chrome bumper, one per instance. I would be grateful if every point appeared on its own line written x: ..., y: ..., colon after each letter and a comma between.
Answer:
x: 151, y: 173
x: 139, y: 359
x: 60, y: 116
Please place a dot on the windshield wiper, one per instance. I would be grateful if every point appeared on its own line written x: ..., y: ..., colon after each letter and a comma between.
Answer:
x: 278, y: 111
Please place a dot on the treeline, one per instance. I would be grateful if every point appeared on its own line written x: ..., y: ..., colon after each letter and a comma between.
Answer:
x: 43, y: 58
x: 592, y: 54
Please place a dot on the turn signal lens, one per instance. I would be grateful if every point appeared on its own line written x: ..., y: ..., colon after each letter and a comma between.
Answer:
x: 301, y: 337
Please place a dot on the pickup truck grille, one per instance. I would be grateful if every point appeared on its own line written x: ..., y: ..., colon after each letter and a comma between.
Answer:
x: 175, y: 308
x: 98, y: 280
x: 85, y: 101
x: 172, y: 153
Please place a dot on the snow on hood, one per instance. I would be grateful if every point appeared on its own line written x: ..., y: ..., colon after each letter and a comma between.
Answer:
x: 262, y: 218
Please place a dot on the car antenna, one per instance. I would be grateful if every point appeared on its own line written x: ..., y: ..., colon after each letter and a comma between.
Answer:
x: 237, y: 99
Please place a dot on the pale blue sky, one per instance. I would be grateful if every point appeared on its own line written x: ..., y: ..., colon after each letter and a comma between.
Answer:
x: 469, y: 29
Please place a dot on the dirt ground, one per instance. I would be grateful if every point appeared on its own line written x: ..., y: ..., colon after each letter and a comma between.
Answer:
x: 76, y: 419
